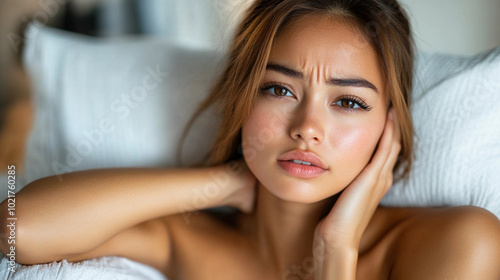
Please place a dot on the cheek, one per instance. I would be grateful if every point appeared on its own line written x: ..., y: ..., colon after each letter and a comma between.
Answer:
x: 355, y: 145
x: 262, y: 127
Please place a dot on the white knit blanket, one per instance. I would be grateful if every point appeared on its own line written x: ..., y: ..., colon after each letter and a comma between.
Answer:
x: 456, y: 112
x: 105, y: 268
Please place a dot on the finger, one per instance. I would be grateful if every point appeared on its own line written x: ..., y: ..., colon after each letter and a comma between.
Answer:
x: 395, y: 146
x: 385, y: 144
x: 373, y: 170
x: 387, y: 170
x: 397, y: 128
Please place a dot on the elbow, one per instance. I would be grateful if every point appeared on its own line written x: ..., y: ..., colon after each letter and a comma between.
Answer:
x: 7, y: 233
x: 20, y: 251
x: 17, y: 242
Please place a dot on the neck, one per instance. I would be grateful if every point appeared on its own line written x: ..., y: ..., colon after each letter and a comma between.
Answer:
x: 284, y: 230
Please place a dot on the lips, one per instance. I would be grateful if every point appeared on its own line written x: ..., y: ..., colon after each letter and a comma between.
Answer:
x: 302, y: 164
x: 303, y: 158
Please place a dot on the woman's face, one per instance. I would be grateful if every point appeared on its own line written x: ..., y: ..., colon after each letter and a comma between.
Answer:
x: 321, y: 101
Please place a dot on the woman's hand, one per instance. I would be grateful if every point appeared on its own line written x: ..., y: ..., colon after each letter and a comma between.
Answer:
x: 243, y: 181
x: 338, y: 235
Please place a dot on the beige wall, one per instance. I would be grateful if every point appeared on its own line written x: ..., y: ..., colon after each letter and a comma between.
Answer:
x: 462, y: 27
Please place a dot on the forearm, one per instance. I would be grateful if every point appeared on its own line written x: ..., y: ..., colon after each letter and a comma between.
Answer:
x: 86, y: 208
x: 337, y: 264
x: 340, y: 264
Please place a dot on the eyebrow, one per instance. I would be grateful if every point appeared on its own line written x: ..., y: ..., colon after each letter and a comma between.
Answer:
x: 343, y: 82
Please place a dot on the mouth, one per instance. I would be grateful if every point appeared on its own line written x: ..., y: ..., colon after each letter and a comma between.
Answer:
x: 303, y: 158
x: 300, y: 169
x: 302, y: 164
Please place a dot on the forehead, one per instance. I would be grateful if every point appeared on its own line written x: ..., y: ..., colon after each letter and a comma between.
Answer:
x: 330, y: 45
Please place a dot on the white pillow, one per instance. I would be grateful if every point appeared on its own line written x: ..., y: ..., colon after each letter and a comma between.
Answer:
x: 456, y: 112
x: 114, y: 102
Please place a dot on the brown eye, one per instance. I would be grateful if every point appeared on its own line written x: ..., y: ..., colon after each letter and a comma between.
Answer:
x: 277, y: 91
x: 352, y: 103
x: 280, y: 91
x: 348, y: 103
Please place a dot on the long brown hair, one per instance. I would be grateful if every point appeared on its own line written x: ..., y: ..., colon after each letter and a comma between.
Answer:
x: 383, y: 23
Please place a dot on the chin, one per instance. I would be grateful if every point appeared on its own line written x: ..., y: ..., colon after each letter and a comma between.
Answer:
x: 298, y: 190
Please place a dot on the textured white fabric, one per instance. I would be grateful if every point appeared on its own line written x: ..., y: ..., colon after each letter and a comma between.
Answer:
x: 456, y: 112
x: 105, y: 268
x: 114, y: 103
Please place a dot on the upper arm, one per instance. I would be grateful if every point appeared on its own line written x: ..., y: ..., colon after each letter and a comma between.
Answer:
x: 147, y: 243
x: 456, y: 243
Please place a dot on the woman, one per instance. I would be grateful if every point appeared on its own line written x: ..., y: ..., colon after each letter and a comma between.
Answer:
x: 315, y: 101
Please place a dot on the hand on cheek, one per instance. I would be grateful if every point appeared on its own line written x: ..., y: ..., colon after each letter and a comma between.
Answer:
x: 348, y: 219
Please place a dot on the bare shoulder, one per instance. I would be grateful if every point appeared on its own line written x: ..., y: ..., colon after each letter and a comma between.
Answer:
x: 207, y: 243
x: 448, y: 243
x: 202, y: 229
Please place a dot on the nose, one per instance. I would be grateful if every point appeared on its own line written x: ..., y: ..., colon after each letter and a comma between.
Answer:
x: 308, y: 125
